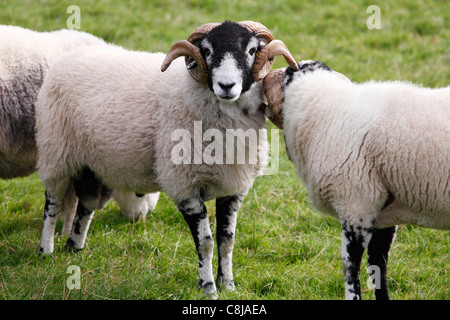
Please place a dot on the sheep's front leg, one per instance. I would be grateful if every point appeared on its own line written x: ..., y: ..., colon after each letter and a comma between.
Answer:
x: 226, y: 214
x: 194, y: 212
x: 355, y: 239
x: 51, y: 211
x: 377, y: 257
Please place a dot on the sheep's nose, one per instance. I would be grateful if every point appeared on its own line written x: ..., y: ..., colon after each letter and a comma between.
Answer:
x: 226, y: 87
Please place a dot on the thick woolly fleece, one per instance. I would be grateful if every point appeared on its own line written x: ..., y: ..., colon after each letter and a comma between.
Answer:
x: 25, y: 57
x: 374, y: 155
x: 112, y: 110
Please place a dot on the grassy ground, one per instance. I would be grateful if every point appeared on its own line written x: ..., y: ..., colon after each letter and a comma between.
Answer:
x: 284, y: 248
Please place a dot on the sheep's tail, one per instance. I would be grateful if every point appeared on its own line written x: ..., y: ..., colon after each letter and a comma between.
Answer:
x: 68, y: 210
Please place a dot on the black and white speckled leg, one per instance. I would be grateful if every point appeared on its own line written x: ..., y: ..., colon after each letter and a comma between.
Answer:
x: 80, y: 227
x: 355, y: 239
x: 377, y: 258
x: 226, y: 214
x: 196, y: 216
x: 51, y: 211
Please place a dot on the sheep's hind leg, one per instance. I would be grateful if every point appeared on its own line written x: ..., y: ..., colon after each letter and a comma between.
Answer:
x: 377, y: 257
x: 92, y: 195
x: 80, y: 227
x: 196, y: 216
x: 226, y: 214
x: 355, y: 239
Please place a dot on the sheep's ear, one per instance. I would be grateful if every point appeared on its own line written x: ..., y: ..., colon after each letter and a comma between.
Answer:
x: 194, y: 70
x: 194, y: 60
x: 198, y: 70
x: 340, y: 75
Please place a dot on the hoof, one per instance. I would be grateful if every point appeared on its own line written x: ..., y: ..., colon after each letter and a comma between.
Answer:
x: 208, y: 289
x: 45, y: 252
x: 70, y: 246
x: 226, y: 284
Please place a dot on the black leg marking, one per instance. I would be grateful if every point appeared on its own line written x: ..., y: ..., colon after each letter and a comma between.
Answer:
x: 51, y: 212
x: 80, y: 227
x: 81, y: 213
x: 377, y: 255
x: 354, y: 242
x: 226, y: 215
x: 193, y: 216
x: 196, y: 216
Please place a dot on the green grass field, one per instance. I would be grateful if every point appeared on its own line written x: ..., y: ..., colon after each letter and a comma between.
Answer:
x: 284, y: 248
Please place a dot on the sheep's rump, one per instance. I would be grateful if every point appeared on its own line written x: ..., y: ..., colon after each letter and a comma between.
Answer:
x: 17, y: 120
x: 382, y: 141
x: 22, y: 72
x: 410, y: 149
x: 25, y: 57
x: 411, y: 146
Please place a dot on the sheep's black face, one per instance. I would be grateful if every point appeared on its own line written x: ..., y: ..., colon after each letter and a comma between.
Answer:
x: 229, y: 51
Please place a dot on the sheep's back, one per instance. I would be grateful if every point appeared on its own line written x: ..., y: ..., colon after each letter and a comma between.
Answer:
x: 85, y: 121
x: 411, y: 146
x: 115, y: 111
x: 360, y: 142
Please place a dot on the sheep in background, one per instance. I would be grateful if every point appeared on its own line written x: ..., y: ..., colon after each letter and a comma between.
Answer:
x: 25, y: 57
x: 136, y: 205
x: 374, y: 155
x: 120, y: 113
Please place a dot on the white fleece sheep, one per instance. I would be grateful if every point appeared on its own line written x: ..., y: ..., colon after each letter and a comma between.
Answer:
x: 25, y: 57
x: 109, y: 118
x: 373, y: 155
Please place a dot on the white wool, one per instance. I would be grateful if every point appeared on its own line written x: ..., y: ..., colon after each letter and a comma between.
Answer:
x: 353, y: 144
x: 25, y: 57
x: 114, y: 110
x: 373, y: 155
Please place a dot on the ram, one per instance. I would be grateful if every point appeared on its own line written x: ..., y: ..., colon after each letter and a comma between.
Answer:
x: 120, y: 111
x: 374, y: 155
x: 25, y: 57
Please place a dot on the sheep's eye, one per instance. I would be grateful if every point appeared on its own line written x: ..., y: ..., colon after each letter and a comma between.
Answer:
x: 252, y: 51
x: 207, y: 52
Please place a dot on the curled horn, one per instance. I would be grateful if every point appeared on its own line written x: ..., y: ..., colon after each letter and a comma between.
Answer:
x: 199, y: 33
x: 273, y: 90
x: 264, y: 34
x: 261, y: 67
x: 189, y: 49
x: 260, y: 31
x: 185, y: 48
x: 264, y: 60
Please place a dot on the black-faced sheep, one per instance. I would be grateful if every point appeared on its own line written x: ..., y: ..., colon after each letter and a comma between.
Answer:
x: 106, y: 118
